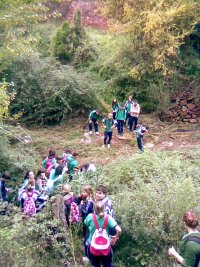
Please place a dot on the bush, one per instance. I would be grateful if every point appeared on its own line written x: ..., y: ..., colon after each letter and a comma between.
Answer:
x: 38, y: 241
x: 47, y: 92
x: 151, y: 193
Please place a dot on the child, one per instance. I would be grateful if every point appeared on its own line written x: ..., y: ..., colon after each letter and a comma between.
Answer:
x: 50, y: 161
x: 94, y: 117
x: 55, y: 178
x: 72, y: 165
x: 3, y: 190
x: 71, y: 211
x: 121, y: 118
x: 127, y: 107
x: 41, y: 180
x: 134, y: 115
x: 140, y: 131
x: 88, y: 167
x: 101, y: 195
x: 67, y: 154
x: 115, y: 107
x: 29, y: 197
x: 108, y: 124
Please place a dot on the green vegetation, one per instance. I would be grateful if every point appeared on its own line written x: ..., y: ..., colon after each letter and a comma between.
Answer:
x: 53, y: 72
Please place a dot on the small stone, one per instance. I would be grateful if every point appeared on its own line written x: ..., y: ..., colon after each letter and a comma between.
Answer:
x: 193, y: 121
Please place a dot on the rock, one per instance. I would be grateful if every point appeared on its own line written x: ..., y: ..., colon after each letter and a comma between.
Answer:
x: 193, y: 121
x: 188, y: 116
x: 191, y: 106
x: 58, y: 209
x: 183, y: 102
x: 185, y: 120
x: 184, y: 108
x: 194, y: 116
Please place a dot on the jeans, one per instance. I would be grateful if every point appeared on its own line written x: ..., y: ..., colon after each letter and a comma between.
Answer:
x: 95, y: 125
x: 140, y: 143
x: 131, y: 121
x: 120, y: 125
x: 114, y: 115
x: 107, y: 135
x: 127, y: 119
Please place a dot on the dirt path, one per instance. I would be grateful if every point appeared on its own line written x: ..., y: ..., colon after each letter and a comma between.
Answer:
x: 161, y: 137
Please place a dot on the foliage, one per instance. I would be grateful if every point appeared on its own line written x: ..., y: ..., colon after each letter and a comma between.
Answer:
x: 39, y: 241
x: 151, y: 193
x: 5, y: 99
x: 70, y: 42
x: 47, y: 92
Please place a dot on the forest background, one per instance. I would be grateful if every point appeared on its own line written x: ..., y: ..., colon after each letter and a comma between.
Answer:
x: 56, y: 64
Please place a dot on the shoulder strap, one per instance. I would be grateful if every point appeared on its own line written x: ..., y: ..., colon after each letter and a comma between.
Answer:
x: 95, y: 221
x: 194, y: 238
x: 29, y: 195
x: 105, y: 222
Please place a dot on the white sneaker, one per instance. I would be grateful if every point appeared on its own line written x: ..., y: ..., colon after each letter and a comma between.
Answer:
x: 85, y: 259
x: 97, y: 133
x: 90, y: 132
x: 103, y: 146
x: 108, y: 145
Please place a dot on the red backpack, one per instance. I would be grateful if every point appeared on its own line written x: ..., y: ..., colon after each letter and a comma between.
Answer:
x: 100, y: 243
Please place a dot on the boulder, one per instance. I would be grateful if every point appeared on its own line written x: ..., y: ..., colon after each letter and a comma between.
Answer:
x: 193, y: 121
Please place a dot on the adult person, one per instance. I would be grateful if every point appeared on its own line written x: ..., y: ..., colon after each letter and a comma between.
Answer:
x: 94, y: 117
x: 134, y: 115
x: 190, y: 244
x: 101, y: 217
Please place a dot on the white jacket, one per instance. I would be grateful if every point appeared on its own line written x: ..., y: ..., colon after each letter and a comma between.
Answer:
x: 135, y: 110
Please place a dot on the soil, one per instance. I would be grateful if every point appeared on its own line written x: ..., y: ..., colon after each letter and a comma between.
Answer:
x: 162, y: 136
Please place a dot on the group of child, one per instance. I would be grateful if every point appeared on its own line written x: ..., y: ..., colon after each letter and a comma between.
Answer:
x: 121, y: 116
x: 82, y: 208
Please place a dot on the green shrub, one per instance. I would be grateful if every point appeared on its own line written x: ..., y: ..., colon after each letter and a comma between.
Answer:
x: 47, y: 92
x: 38, y: 241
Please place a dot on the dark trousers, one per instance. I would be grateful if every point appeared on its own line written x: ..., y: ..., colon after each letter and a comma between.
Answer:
x: 120, y: 125
x: 127, y: 119
x: 101, y: 261
x: 107, y: 135
x: 140, y: 143
x: 95, y: 125
x: 114, y: 115
x: 131, y: 121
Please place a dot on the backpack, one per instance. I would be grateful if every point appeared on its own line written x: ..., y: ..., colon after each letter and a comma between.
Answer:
x: 197, y: 240
x: 49, y: 165
x: 100, y: 243
x: 29, y: 205
x: 74, y: 216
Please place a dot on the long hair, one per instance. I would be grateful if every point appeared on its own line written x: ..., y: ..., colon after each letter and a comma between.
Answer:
x: 99, y: 209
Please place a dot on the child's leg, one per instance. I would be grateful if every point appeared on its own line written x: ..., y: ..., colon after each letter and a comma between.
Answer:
x: 131, y: 123
x: 114, y: 115
x: 105, y: 137
x: 135, y: 119
x: 109, y: 137
x: 95, y: 125
x: 121, y: 127
x: 118, y: 126
x: 90, y: 126
x: 140, y: 143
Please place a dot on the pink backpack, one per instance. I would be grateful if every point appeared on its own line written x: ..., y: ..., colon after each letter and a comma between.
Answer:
x: 29, y: 204
x: 100, y: 243
x: 49, y: 165
x: 74, y: 216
